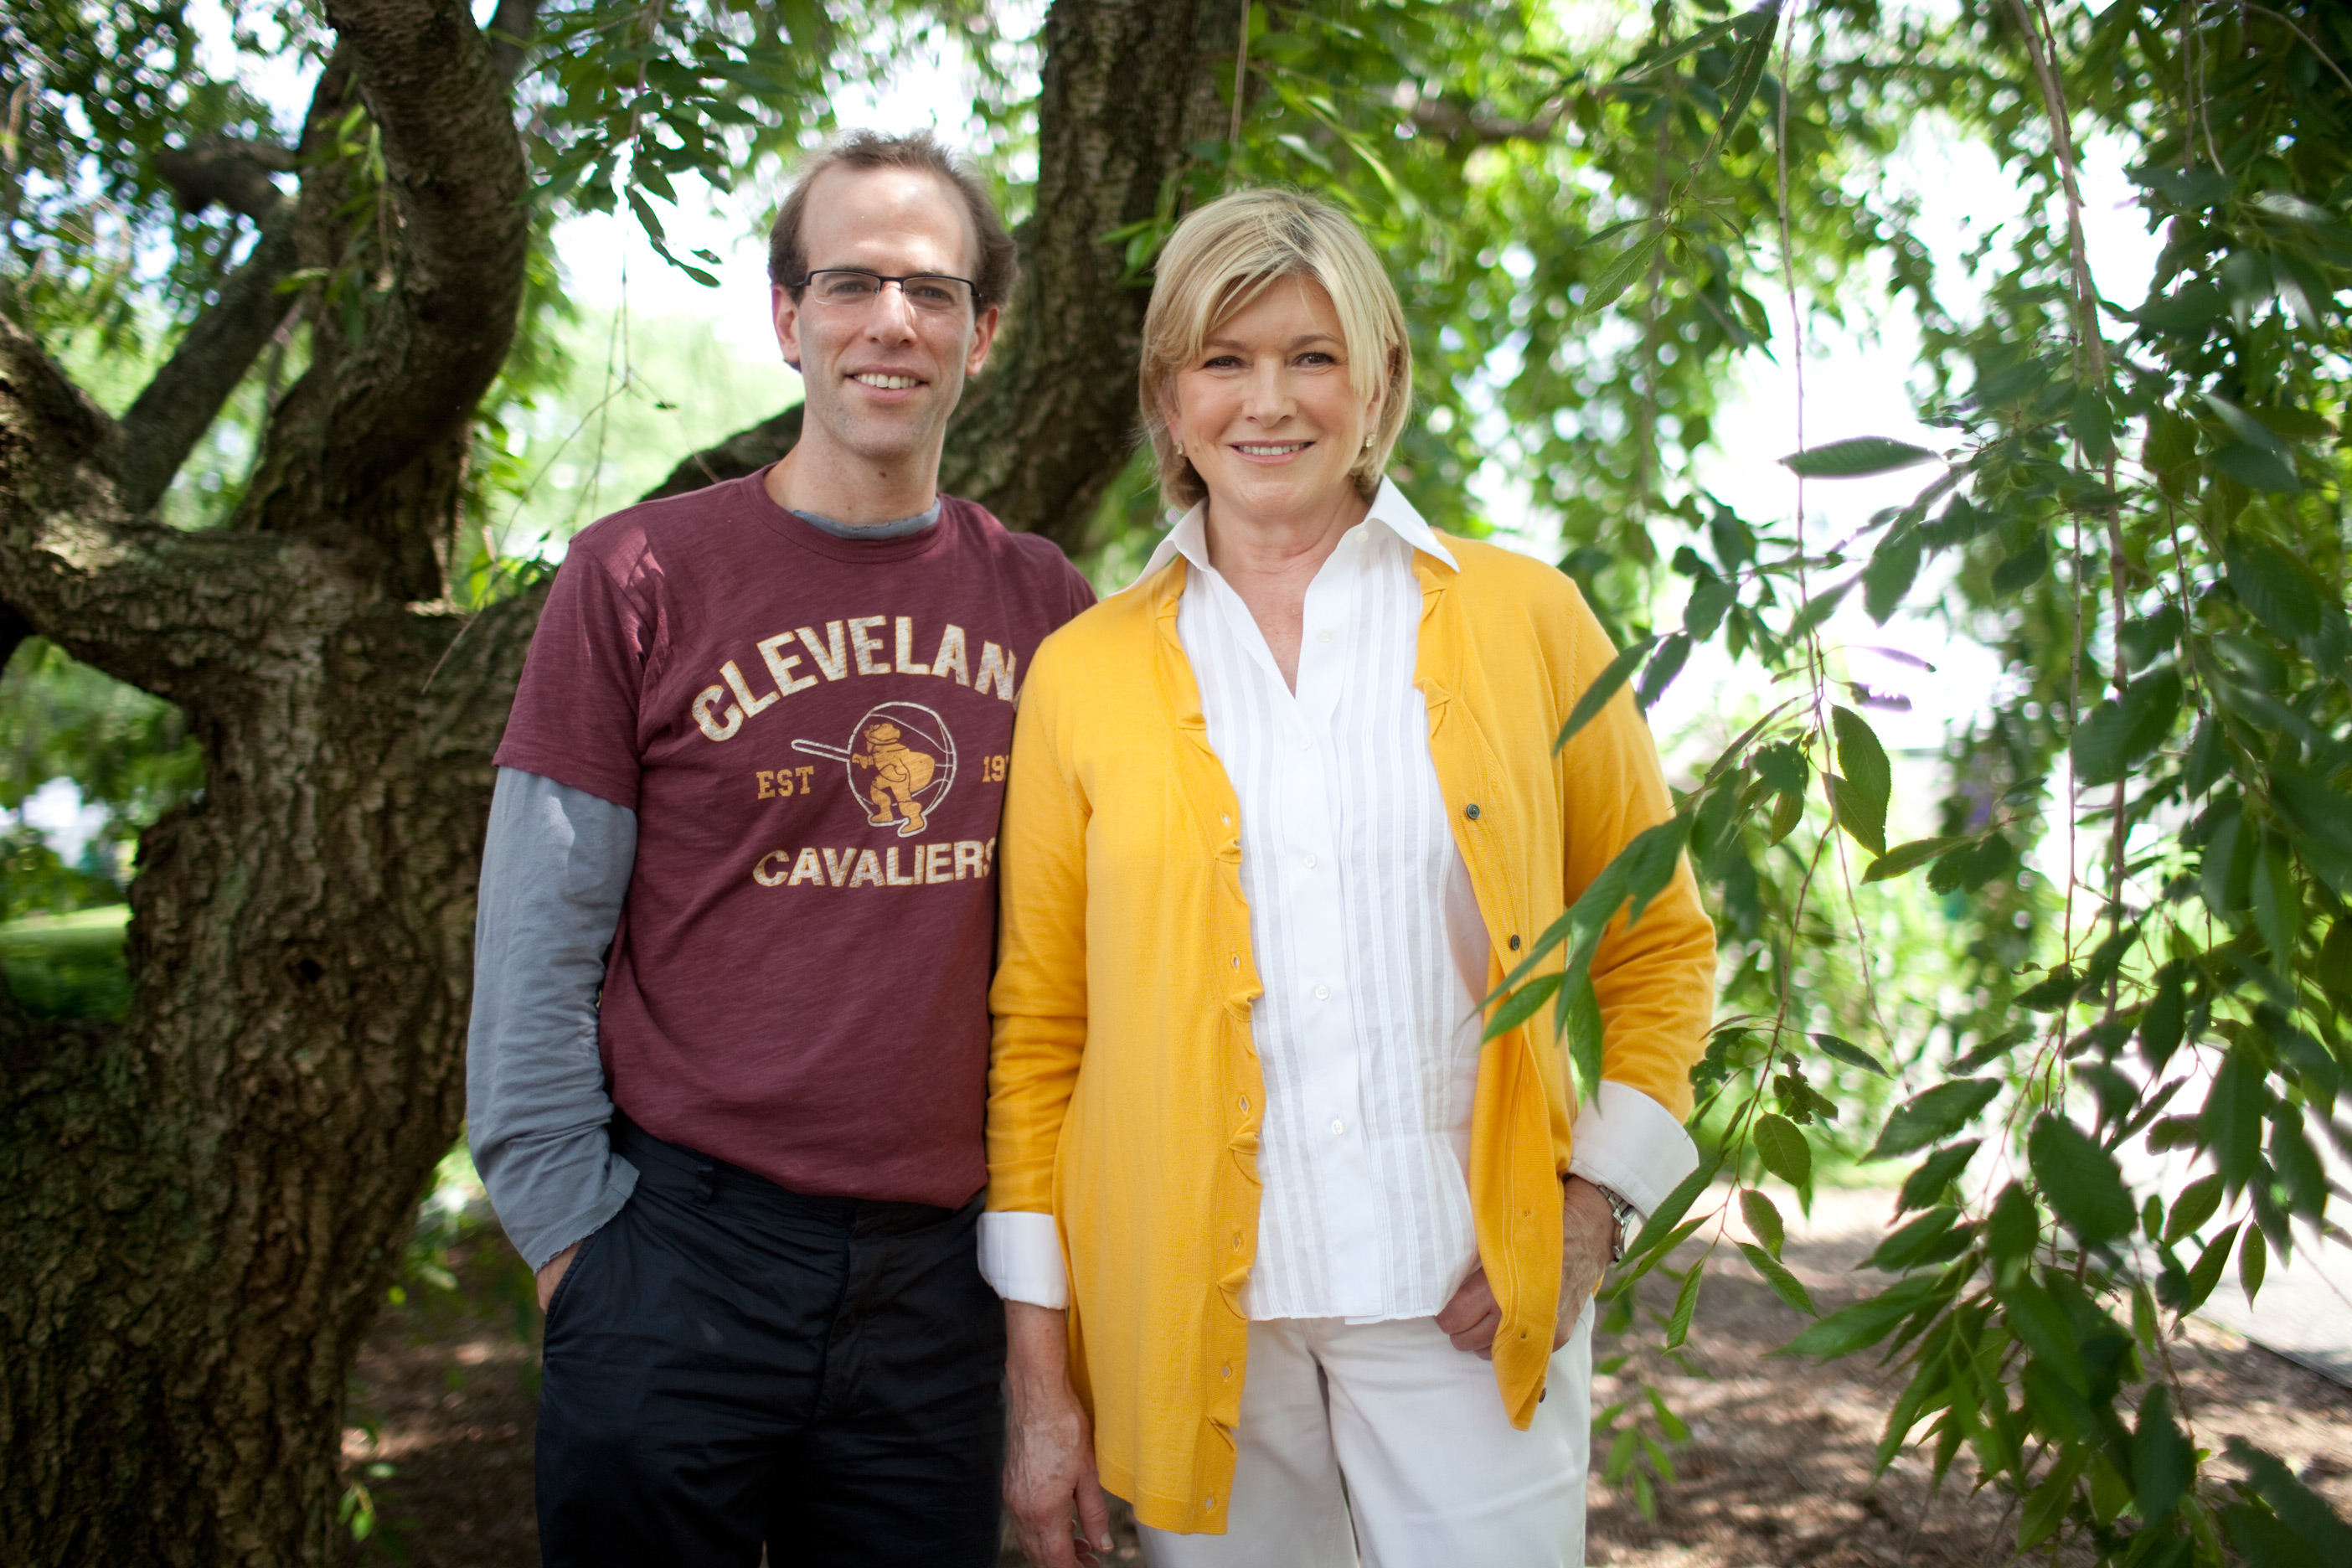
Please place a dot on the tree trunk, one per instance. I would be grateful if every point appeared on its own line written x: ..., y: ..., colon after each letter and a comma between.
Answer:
x: 200, y: 1209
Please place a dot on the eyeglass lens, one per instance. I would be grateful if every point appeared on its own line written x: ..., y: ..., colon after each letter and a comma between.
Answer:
x: 925, y: 291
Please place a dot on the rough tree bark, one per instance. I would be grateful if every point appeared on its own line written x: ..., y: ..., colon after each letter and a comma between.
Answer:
x: 201, y: 1208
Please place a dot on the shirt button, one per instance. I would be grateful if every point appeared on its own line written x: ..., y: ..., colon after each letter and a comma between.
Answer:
x: 1323, y: 636
x: 1306, y: 744
x: 1322, y: 993
x: 1339, y: 1128
x: 1310, y: 862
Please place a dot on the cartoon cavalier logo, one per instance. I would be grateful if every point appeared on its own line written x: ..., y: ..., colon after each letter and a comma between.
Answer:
x: 900, y: 758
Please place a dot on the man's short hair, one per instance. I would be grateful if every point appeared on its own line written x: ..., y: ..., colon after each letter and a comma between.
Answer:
x: 788, y: 260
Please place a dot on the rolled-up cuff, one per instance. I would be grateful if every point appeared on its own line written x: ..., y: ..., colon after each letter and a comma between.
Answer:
x: 1628, y: 1143
x: 1021, y: 1258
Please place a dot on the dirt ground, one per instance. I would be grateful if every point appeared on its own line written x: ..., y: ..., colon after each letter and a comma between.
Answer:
x: 1776, y: 1472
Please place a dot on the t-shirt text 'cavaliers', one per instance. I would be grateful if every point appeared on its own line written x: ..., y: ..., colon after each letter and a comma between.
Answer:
x: 813, y: 731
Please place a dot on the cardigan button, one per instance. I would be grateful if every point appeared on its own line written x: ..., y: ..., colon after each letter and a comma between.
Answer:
x: 1515, y: 942
x: 1471, y: 811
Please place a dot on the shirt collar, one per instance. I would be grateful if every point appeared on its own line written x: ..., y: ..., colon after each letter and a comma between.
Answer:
x: 1390, y: 510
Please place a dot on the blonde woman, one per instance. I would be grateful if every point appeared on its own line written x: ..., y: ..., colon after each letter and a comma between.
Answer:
x: 1289, y: 1261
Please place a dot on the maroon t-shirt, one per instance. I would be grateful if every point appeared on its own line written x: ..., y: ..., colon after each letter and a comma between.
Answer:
x: 813, y: 731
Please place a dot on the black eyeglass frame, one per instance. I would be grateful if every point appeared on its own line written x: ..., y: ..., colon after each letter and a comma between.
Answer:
x: 971, y: 289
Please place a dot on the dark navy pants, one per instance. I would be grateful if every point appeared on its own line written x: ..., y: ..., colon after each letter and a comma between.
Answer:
x: 730, y: 1366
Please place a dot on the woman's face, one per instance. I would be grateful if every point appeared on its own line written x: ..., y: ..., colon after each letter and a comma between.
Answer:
x: 1267, y: 412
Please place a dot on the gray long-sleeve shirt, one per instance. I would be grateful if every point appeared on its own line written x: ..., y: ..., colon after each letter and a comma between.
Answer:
x: 555, y: 871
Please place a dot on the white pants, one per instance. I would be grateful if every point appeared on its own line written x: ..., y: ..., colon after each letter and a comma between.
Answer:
x: 1382, y: 1439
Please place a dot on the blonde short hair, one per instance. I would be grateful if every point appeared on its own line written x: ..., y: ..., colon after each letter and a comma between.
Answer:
x: 1219, y: 260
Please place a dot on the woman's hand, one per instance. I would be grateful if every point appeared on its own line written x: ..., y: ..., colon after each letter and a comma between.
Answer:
x: 1587, y: 1230
x: 1049, y: 1458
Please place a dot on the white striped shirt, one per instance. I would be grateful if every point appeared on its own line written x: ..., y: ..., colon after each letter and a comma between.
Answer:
x: 1368, y: 944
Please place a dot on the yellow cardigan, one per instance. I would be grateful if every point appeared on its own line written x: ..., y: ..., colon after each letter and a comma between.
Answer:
x: 1124, y: 1091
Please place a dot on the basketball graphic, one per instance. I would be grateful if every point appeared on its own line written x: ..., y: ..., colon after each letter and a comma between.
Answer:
x: 901, y: 761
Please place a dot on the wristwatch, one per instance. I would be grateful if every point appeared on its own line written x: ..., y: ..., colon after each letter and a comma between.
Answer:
x: 1623, y: 1213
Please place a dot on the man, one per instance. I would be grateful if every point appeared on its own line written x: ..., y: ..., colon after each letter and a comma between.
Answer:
x: 729, y: 1037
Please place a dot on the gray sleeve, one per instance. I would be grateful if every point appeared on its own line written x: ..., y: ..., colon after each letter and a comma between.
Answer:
x: 555, y: 871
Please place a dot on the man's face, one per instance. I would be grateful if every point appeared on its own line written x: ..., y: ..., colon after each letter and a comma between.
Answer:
x: 883, y: 376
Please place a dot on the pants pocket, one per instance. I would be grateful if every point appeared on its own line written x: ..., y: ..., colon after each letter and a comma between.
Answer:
x: 555, y: 1303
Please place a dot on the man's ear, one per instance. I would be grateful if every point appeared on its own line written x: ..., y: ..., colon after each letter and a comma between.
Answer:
x: 984, y: 338
x: 787, y: 314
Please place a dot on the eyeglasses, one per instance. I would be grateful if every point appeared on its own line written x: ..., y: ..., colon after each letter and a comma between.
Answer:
x: 851, y: 286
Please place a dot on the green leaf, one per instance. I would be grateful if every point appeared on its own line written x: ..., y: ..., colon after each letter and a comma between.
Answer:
x: 1581, y: 1029
x: 1935, y: 1114
x: 1868, y: 778
x: 2079, y: 1180
x: 2092, y: 424
x: 1783, y: 1149
x: 2161, y: 1025
x: 1618, y: 275
x: 2233, y: 1118
x: 2198, y: 1202
x: 1522, y: 1006
x: 2048, y: 995
x: 1748, y: 63
x: 1665, y: 666
x: 1893, y: 566
x: 2279, y: 589
x: 1849, y: 1053
x: 2302, y: 1510
x: 2258, y: 468
x: 2254, y: 1259
x: 1863, y: 1323
x: 1668, y: 1214
x: 1685, y: 1303
x: 1763, y: 1218
x: 2023, y: 569
x: 1669, y: 1423
x: 1785, y: 1285
x: 1709, y: 598
x: 1604, y: 685
x: 1856, y: 457
x: 2120, y: 731
x: 2145, y: 638
x: 2046, y: 1504
x: 1904, y: 858
x: 1927, y: 1182
x: 2206, y: 1272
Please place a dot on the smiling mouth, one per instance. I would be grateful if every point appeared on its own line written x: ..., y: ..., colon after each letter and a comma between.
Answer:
x: 1270, y: 449
x: 883, y: 381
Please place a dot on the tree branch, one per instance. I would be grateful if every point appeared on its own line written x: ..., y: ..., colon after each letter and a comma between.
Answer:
x: 180, y: 404
x: 232, y: 174
x: 374, y: 443
x: 513, y: 26
x: 146, y: 603
x: 744, y: 452
x: 1459, y: 124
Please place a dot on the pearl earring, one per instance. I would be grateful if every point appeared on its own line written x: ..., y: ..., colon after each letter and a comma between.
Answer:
x: 1368, y: 442
x: 1180, y: 448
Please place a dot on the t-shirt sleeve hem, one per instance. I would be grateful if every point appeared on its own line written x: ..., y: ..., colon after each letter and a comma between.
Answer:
x: 570, y: 771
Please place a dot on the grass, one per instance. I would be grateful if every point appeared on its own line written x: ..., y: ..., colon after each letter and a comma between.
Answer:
x: 69, y: 966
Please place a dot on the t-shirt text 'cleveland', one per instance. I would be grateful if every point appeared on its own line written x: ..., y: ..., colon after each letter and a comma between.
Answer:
x: 813, y: 731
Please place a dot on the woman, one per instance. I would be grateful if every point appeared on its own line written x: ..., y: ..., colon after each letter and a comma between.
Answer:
x: 1290, y: 1262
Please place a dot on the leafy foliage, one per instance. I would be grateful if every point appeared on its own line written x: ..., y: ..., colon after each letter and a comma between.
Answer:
x: 2135, y: 892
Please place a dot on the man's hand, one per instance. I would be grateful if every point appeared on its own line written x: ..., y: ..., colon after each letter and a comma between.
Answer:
x: 1587, y: 1230
x: 1049, y: 1459
x: 552, y: 1272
